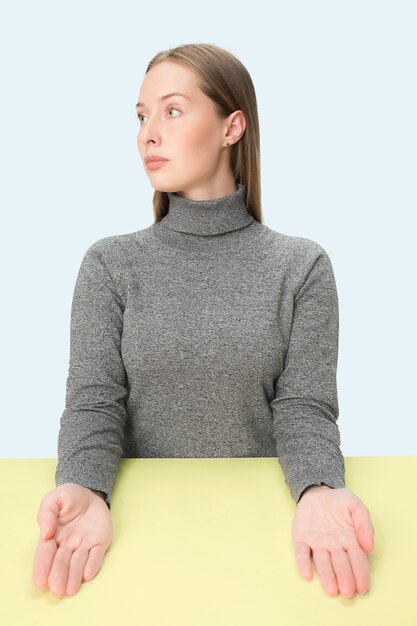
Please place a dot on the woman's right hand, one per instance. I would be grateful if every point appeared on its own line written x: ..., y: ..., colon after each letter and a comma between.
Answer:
x: 79, y: 533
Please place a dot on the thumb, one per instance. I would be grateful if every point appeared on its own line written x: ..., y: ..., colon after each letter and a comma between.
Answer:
x: 48, y: 513
x: 363, y: 526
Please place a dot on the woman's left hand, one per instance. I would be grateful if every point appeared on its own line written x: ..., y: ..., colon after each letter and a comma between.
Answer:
x: 336, y: 527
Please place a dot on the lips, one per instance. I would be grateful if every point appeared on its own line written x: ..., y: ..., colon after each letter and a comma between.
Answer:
x: 154, y: 157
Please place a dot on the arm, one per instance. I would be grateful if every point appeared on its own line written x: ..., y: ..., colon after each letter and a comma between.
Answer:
x: 305, y: 407
x: 92, y: 425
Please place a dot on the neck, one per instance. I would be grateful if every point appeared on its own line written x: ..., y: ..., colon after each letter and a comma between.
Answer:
x: 207, y: 217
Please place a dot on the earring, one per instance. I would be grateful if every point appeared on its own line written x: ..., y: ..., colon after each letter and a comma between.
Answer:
x: 227, y: 144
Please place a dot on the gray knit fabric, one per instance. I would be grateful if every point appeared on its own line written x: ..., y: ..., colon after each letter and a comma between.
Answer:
x: 206, y: 334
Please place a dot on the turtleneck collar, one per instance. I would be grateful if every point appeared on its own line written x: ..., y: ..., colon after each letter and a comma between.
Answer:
x: 208, y: 217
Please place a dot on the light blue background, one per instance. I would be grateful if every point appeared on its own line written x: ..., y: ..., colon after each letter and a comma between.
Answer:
x: 336, y: 90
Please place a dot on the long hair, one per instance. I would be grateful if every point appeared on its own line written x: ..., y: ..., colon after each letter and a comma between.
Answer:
x: 224, y: 79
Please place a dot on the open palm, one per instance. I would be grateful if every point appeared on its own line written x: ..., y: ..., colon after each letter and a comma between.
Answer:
x: 79, y: 534
x: 335, y: 526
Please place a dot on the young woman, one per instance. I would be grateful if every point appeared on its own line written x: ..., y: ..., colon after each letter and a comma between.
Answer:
x: 205, y: 335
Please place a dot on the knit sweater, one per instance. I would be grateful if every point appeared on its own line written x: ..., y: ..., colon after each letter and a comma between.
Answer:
x: 207, y: 334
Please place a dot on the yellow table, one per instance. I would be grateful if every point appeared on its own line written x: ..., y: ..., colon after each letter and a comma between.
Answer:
x: 207, y: 542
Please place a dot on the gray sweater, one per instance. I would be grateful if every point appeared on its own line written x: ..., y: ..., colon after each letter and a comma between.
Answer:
x: 206, y: 334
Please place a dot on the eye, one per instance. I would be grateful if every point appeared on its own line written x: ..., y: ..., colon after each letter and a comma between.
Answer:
x: 171, y: 107
x: 168, y: 108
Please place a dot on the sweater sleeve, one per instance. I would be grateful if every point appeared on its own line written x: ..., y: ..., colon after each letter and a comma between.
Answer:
x: 92, y: 424
x: 305, y: 405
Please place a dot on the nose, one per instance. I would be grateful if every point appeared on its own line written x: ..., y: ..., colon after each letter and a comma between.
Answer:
x: 150, y: 132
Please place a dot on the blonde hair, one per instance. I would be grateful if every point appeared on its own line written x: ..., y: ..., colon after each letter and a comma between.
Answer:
x: 225, y: 80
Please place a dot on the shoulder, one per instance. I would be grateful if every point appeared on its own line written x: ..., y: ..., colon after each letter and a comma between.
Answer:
x: 115, y: 251
x: 114, y: 256
x: 295, y: 249
x: 117, y: 244
x: 296, y: 260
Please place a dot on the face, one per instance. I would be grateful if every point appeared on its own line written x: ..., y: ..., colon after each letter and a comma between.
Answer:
x: 187, y: 130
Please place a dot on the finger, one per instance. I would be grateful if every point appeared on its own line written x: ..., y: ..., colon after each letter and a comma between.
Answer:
x: 44, y: 557
x: 303, y: 559
x: 324, y: 568
x: 48, y: 514
x: 360, y: 567
x: 95, y: 559
x: 363, y: 526
x: 58, y: 576
x: 343, y: 571
x: 76, y: 570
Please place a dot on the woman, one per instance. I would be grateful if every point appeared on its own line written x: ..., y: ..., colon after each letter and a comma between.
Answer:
x: 206, y: 334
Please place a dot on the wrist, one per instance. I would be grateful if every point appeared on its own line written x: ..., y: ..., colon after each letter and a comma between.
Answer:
x: 99, y: 493
x: 313, y: 488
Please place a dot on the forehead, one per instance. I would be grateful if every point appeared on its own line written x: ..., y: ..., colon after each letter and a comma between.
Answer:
x: 168, y: 78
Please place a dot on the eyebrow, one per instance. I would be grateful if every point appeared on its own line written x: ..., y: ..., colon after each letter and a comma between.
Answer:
x: 168, y: 95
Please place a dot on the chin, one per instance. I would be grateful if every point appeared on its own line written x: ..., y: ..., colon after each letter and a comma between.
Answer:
x: 164, y: 187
